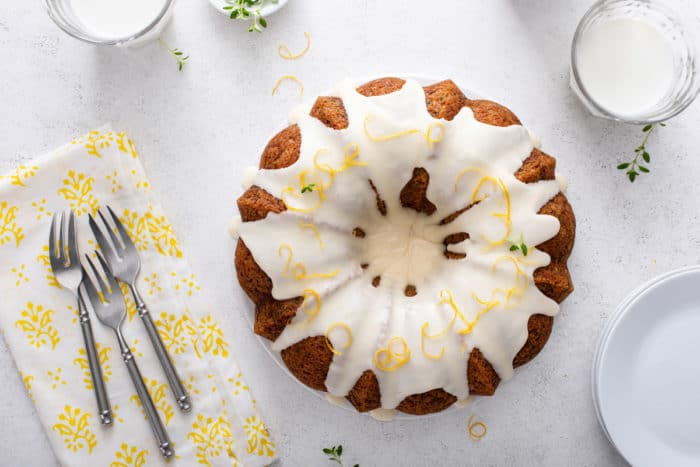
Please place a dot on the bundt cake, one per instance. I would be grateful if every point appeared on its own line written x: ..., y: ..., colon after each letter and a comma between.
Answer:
x: 404, y: 246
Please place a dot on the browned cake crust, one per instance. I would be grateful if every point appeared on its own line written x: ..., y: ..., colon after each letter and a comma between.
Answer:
x: 282, y: 150
x: 310, y: 359
x: 364, y: 396
x: 431, y: 401
x: 331, y: 112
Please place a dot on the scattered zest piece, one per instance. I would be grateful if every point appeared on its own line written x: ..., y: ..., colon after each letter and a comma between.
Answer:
x: 284, y: 52
x: 520, y: 246
x: 634, y: 167
x: 476, y: 430
x: 334, y: 453
x: 245, y: 9
x: 348, y: 333
x: 179, y: 56
x: 308, y: 188
x: 289, y: 78
x: 388, y: 359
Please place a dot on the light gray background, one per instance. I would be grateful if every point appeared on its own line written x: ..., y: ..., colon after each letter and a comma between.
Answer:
x: 197, y: 130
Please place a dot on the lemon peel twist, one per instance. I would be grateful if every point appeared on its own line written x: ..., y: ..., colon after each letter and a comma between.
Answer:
x: 311, y: 313
x: 286, y: 54
x: 311, y: 226
x: 348, y: 343
x: 389, y: 137
x: 429, y: 133
x: 476, y: 430
x: 351, y: 153
x: 298, y: 270
x: 288, y: 78
x: 388, y: 359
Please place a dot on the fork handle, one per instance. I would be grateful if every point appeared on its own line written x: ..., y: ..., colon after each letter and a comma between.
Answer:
x: 164, y: 444
x: 176, y: 386
x: 98, y: 383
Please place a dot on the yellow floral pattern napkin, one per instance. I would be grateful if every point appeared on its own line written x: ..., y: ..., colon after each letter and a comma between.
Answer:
x: 39, y: 321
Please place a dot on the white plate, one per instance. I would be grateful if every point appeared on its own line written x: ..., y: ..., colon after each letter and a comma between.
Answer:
x: 250, y: 310
x: 265, y: 11
x: 646, y: 373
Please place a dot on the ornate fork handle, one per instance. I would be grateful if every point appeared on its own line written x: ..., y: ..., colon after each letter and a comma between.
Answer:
x: 154, y: 420
x: 179, y: 391
x: 98, y: 383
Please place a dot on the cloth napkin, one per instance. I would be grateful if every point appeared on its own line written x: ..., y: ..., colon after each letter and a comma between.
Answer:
x: 39, y: 321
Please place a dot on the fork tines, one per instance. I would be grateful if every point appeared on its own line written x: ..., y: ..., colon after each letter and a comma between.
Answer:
x: 119, y: 243
x: 63, y: 253
x: 104, y: 288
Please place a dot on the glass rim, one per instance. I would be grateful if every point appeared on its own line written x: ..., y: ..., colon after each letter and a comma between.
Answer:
x: 655, y: 117
x: 72, y: 31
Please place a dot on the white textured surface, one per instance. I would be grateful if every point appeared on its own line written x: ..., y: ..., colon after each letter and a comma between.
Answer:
x: 197, y: 131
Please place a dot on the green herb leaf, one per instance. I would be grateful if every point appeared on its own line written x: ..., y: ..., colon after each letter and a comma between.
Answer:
x: 514, y: 248
x: 335, y: 454
x: 178, y: 55
x: 245, y: 9
x: 523, y: 247
x: 633, y: 168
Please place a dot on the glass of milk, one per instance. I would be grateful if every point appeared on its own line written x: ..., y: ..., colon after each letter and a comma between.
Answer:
x: 110, y: 22
x: 634, y: 61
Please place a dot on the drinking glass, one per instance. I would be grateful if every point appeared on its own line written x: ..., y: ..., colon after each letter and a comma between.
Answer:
x: 61, y: 12
x: 673, y: 27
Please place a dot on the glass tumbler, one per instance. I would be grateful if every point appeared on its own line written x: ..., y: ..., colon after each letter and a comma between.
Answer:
x: 673, y: 27
x: 63, y: 14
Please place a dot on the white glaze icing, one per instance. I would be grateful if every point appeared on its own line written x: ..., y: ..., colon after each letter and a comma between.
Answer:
x: 462, y: 403
x: 310, y: 251
x: 249, y: 175
x: 534, y: 137
x: 234, y: 225
x: 383, y: 415
x: 563, y: 182
x: 336, y: 400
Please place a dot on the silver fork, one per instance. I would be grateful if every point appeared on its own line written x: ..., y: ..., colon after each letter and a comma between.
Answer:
x: 125, y: 263
x: 108, y: 303
x: 65, y: 264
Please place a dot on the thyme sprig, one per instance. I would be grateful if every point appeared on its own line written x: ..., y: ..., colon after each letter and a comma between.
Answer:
x: 334, y: 454
x: 519, y: 246
x: 308, y: 188
x: 179, y: 55
x: 246, y: 9
x: 634, y: 168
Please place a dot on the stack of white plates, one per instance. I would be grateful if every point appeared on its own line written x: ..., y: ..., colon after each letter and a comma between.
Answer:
x: 646, y: 373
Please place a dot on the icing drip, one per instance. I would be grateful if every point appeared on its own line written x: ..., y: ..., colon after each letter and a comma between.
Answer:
x: 563, y: 182
x: 383, y: 415
x: 336, y: 400
x: 234, y: 225
x: 248, y: 176
x: 378, y: 279
x: 464, y: 402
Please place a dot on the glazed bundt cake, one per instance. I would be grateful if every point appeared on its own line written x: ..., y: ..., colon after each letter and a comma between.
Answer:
x: 405, y: 247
